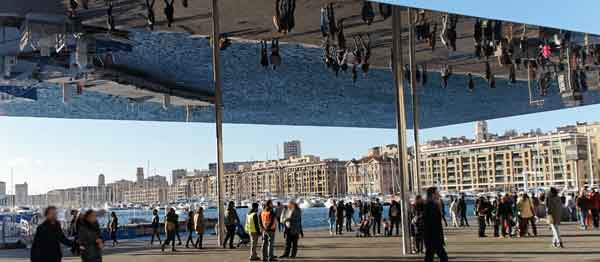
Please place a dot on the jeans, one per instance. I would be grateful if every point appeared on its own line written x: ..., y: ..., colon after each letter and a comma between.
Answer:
x: 439, y: 250
x: 523, y: 226
x: 190, y: 238
x: 497, y: 226
x: 229, y: 235
x: 339, y: 227
x: 268, y: 245
x: 463, y: 220
x: 481, y: 220
x: 199, y: 240
x: 291, y: 245
x: 170, y: 239
x: 377, y: 225
x: 596, y: 217
x: 155, y: 232
x: 395, y: 222
x: 583, y: 215
x: 505, y: 222
x: 348, y: 224
x: 332, y: 225
x: 454, y: 219
x: 555, y: 234
x: 254, y: 244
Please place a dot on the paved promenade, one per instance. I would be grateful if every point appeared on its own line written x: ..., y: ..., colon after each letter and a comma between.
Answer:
x: 463, y: 245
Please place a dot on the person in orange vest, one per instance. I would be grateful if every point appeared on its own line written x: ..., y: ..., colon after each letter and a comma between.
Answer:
x: 268, y: 224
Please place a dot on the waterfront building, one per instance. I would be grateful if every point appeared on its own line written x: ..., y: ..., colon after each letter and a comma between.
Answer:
x: 592, y: 134
x: 230, y: 167
x: 180, y: 190
x: 178, y: 174
x: 296, y: 176
x: 146, y: 195
x: 7, y: 201
x: 371, y: 174
x: 101, y: 180
x: 2, y: 189
x: 292, y: 149
x: 139, y: 175
x: 509, y: 162
x: 118, y: 188
x: 21, y: 194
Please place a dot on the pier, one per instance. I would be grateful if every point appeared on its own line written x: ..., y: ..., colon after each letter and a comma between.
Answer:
x: 317, y: 245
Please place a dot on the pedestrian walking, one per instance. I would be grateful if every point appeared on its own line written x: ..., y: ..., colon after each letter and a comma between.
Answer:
x: 331, y: 217
x: 582, y: 204
x: 293, y: 229
x: 595, y: 207
x: 526, y: 214
x: 48, y: 238
x: 481, y: 210
x: 443, y: 206
x: 462, y: 209
x: 279, y: 212
x: 454, y: 211
x: 434, y: 232
x: 155, y: 227
x: 418, y: 223
x: 199, y: 226
x: 113, y: 228
x: 339, y: 226
x: 171, y: 221
x: 376, y: 213
x: 349, y: 214
x: 254, y: 229
x: 505, y: 214
x: 177, y: 229
x: 90, y: 241
x: 231, y: 222
x: 190, y: 227
x: 554, y: 209
x: 395, y: 217
x: 268, y: 227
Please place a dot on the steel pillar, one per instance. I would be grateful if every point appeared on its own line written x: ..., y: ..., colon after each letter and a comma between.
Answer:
x: 216, y: 66
x: 398, y: 71
x: 415, y: 112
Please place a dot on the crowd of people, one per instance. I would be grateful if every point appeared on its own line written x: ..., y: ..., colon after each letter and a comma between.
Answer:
x: 508, y: 215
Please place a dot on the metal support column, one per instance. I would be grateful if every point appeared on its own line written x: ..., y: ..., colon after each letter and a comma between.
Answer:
x: 398, y: 71
x: 415, y: 111
x: 216, y: 66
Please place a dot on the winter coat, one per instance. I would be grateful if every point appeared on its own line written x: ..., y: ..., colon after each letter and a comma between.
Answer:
x: 554, y: 207
x: 46, y: 243
x: 88, y: 235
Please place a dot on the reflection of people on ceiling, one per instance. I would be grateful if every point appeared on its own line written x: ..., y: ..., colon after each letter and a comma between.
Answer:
x: 284, y: 20
x: 169, y: 11
x: 150, y: 13
x: 385, y: 10
x: 446, y: 72
x: 368, y: 15
x: 110, y: 19
x: 275, y: 57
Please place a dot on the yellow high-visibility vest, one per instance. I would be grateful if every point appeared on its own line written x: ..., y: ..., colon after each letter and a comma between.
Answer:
x: 250, y: 223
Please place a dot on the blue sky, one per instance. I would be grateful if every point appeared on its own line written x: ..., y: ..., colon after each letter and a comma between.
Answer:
x: 58, y: 153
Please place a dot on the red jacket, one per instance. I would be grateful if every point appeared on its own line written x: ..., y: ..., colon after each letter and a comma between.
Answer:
x: 594, y: 201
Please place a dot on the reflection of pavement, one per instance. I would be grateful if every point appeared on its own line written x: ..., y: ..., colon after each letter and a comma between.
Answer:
x: 463, y: 245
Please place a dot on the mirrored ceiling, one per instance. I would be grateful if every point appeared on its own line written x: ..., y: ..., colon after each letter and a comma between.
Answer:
x: 284, y: 62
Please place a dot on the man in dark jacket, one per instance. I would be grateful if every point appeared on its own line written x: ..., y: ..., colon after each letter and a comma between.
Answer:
x: 434, y: 232
x: 462, y: 207
x: 48, y: 237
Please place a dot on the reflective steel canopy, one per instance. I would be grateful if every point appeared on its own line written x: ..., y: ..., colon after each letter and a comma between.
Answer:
x: 76, y: 68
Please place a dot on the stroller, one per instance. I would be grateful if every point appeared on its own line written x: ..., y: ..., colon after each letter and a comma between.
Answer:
x: 243, y: 235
